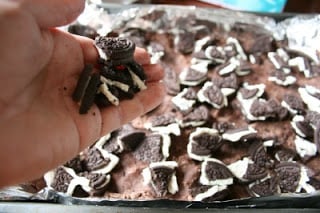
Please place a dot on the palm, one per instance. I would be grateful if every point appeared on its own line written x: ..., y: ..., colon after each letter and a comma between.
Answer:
x: 40, y: 126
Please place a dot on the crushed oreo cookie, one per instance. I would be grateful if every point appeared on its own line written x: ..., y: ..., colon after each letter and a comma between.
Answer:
x: 107, y: 84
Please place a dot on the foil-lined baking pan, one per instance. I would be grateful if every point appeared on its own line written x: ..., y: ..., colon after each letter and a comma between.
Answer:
x: 302, y: 31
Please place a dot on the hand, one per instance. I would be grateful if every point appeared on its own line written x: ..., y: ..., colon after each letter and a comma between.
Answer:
x: 40, y: 127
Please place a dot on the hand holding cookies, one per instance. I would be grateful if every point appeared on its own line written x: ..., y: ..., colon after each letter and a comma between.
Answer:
x: 40, y: 123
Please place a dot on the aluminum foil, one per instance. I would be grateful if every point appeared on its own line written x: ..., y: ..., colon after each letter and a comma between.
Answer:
x: 302, y: 32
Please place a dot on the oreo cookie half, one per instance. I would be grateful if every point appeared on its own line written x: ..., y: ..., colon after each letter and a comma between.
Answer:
x: 203, y: 142
x: 215, y: 172
x: 117, y: 50
x: 162, y: 177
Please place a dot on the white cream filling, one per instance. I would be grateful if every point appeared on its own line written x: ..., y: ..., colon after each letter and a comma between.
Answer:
x: 191, y: 123
x: 236, y: 136
x: 200, y: 43
x: 300, y: 63
x: 288, y: 81
x: 246, y: 103
x: 239, y: 48
x: 295, y: 119
x: 208, y: 50
x: 272, y: 58
x: 252, y: 59
x: 268, y: 143
x: 172, y: 128
x: 184, y: 74
x: 204, y: 178
x: 166, y: 143
x: 303, y: 183
x: 231, y: 67
x: 212, y: 191
x: 283, y: 54
x: 137, y: 81
x: 239, y: 168
x: 76, y: 181
x: 260, y: 87
x: 180, y: 102
x: 113, y: 160
x: 304, y: 147
x: 101, y: 53
x: 103, y: 88
x: 306, y: 94
x: 120, y: 85
x: 291, y: 110
x: 100, y: 143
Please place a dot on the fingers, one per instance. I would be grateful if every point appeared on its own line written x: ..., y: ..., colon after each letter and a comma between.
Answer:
x: 50, y: 13
x: 141, y: 56
x: 154, y: 72
x: 90, y: 52
x: 115, y: 116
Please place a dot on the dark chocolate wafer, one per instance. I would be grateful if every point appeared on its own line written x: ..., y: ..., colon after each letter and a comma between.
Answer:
x: 90, y: 92
x: 82, y: 83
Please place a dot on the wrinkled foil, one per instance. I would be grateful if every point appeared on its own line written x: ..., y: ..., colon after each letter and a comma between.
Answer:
x: 302, y: 33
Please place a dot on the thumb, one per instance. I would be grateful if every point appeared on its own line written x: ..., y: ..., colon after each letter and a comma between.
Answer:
x: 53, y: 13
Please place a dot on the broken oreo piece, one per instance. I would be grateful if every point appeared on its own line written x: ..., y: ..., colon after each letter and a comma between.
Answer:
x: 153, y: 148
x: 162, y: 177
x: 164, y: 124
x: 289, y: 175
x: 265, y: 187
x: 203, y: 142
x: 211, y: 193
x: 237, y: 134
x: 247, y: 170
x: 197, y: 117
x: 65, y: 180
x: 193, y: 76
x: 89, y: 94
x: 98, y: 183
x: 215, y: 172
x: 76, y: 164
x: 293, y: 103
x: 185, y: 100
x: 82, y: 82
x: 98, y: 160
x: 212, y: 94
